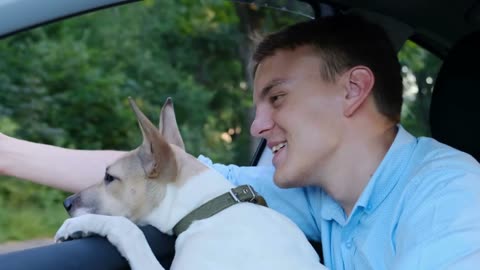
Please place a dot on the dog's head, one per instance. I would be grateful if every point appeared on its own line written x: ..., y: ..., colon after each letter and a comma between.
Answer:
x: 136, y: 183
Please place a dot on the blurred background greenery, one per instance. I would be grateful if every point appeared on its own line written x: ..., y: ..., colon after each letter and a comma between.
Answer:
x: 67, y: 84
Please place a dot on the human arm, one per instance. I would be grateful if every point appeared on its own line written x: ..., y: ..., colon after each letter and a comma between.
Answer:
x: 62, y: 168
x: 292, y: 202
x: 70, y: 170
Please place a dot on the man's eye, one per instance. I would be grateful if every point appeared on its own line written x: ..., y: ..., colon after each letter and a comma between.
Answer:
x: 275, y: 99
x: 108, y: 178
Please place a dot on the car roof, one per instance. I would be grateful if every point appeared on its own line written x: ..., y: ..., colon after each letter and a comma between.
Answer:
x: 19, y: 15
x: 436, y: 24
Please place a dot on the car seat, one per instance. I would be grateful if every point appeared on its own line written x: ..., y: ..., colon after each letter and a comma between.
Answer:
x: 455, y: 104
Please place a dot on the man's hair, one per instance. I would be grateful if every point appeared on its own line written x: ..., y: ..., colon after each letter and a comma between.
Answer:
x: 343, y: 42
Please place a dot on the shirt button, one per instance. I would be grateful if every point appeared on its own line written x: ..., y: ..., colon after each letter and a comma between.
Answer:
x: 349, y: 244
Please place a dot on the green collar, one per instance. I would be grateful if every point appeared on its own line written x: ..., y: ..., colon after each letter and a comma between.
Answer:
x: 236, y: 195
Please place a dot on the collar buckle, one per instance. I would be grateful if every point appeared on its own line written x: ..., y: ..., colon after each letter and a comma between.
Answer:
x: 244, y: 193
x: 233, y: 195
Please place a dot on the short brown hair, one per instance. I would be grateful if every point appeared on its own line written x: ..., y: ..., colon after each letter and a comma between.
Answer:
x: 345, y: 41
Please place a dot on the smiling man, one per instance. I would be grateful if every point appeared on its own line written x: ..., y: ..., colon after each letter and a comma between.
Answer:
x: 327, y: 101
x: 328, y: 95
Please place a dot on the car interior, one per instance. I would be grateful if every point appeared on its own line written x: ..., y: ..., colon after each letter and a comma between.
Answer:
x: 453, y: 112
x: 448, y: 29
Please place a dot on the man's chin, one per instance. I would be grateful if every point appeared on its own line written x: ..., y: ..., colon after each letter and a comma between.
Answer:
x: 283, y: 181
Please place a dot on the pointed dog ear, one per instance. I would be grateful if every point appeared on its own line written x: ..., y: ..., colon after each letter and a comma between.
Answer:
x: 155, y: 153
x: 168, y: 125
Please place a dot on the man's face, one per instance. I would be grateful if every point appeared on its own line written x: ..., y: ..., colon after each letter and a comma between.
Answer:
x: 298, y: 113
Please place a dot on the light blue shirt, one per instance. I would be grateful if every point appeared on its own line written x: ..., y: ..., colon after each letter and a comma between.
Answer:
x: 420, y: 210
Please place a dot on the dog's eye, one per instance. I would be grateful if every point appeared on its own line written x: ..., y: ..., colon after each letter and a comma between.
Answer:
x: 108, y: 178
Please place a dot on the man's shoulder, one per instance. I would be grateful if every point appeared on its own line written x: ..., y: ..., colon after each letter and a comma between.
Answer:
x: 432, y: 155
x: 437, y: 169
x: 437, y: 203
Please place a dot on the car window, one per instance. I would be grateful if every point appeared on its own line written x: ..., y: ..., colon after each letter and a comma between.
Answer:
x: 419, y: 71
x: 67, y: 84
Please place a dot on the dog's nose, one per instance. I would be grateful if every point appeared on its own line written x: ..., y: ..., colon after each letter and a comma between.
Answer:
x: 68, y: 202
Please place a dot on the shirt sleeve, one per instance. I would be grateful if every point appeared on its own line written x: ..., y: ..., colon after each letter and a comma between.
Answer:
x: 440, y: 225
x: 291, y: 202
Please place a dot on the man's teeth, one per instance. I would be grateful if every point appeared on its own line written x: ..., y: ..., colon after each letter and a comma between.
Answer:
x: 278, y: 147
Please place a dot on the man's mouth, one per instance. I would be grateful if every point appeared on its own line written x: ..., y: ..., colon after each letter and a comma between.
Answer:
x: 279, y: 146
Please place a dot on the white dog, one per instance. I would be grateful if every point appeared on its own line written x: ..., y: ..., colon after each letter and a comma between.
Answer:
x: 160, y: 184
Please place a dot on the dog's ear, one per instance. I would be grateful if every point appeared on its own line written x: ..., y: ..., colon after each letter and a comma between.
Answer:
x: 168, y: 125
x: 155, y: 153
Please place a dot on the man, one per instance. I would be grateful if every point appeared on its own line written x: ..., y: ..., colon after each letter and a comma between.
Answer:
x: 328, y: 95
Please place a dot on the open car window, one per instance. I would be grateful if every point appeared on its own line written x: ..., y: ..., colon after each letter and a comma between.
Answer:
x: 420, y: 68
x: 66, y: 83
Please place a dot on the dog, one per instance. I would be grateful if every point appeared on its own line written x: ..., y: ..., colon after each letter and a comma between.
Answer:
x: 160, y: 184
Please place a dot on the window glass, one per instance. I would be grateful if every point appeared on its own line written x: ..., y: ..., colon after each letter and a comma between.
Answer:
x: 67, y: 84
x: 419, y: 71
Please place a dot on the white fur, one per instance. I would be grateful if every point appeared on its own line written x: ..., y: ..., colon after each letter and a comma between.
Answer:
x: 199, y: 189
x: 244, y: 236
x: 120, y: 231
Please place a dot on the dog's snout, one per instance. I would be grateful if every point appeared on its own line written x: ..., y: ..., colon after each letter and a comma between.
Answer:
x: 68, y: 202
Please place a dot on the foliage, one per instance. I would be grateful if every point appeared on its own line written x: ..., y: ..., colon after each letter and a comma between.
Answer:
x: 420, y: 68
x: 67, y: 84
x: 28, y: 210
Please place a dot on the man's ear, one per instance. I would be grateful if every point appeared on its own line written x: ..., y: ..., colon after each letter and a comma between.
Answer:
x: 168, y: 125
x: 360, y: 81
x: 156, y: 155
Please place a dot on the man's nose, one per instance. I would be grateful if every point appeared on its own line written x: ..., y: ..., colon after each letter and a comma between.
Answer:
x: 261, y: 124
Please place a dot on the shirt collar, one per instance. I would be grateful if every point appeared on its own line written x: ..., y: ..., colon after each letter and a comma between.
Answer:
x: 384, y: 179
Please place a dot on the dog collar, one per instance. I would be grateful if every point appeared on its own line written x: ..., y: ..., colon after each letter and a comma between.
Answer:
x: 244, y: 193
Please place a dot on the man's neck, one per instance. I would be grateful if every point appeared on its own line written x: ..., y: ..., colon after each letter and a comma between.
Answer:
x: 359, y: 157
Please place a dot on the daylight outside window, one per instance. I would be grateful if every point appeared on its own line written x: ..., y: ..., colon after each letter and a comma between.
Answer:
x: 67, y: 84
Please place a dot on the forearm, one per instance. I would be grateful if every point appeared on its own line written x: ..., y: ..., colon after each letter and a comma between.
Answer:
x: 291, y: 202
x: 66, y: 169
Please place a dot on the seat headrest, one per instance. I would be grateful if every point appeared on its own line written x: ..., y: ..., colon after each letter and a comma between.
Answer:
x: 455, y: 105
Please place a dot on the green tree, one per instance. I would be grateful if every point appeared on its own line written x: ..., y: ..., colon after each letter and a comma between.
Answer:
x: 67, y: 84
x: 419, y: 70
